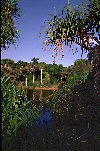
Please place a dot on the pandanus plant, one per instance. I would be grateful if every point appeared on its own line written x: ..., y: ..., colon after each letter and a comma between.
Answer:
x: 77, y: 27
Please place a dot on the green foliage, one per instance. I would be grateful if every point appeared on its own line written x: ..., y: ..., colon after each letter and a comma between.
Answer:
x: 54, y: 72
x: 35, y: 60
x: 9, y: 12
x: 51, y: 72
x: 20, y: 63
x: 72, y: 26
x: 41, y: 65
x: 60, y: 99
x: 8, y: 62
x: 76, y: 78
x: 29, y: 79
x: 77, y: 73
x: 15, y: 111
x: 80, y: 62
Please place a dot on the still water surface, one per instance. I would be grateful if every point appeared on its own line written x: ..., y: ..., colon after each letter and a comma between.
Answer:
x: 40, y: 94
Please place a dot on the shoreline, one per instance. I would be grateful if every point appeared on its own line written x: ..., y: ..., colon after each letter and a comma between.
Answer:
x: 31, y: 88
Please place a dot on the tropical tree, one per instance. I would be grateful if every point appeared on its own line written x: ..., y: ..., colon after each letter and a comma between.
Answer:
x: 82, y: 27
x: 20, y: 63
x: 7, y: 62
x: 80, y: 62
x: 42, y: 65
x: 77, y: 26
x: 82, y: 65
x: 35, y: 60
x: 32, y: 70
x: 9, y: 12
x: 54, y: 72
x: 19, y: 69
x: 34, y: 67
x: 7, y: 67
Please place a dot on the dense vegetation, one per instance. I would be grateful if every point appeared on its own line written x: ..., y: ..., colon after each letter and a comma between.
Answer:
x: 53, y: 74
x: 9, y: 32
x: 20, y: 109
x: 72, y: 119
x: 80, y: 26
x: 71, y: 104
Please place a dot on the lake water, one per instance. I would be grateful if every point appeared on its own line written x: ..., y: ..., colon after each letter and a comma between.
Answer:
x: 40, y: 94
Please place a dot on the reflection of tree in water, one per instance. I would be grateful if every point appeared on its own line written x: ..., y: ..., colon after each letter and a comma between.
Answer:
x: 37, y: 102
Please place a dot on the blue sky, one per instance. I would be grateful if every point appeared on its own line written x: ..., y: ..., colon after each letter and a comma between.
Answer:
x: 29, y: 45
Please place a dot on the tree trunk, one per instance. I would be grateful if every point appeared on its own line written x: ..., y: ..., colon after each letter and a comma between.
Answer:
x: 33, y: 78
x: 26, y: 82
x: 41, y: 76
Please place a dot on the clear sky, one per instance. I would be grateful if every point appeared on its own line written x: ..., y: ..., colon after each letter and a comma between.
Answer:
x: 29, y: 45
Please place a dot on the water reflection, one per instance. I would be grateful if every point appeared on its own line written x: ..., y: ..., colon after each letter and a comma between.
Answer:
x: 39, y: 94
x: 44, y: 120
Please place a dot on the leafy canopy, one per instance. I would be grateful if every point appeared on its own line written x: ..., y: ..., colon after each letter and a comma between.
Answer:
x: 74, y: 26
x: 7, y: 61
x: 35, y: 60
x: 9, y: 12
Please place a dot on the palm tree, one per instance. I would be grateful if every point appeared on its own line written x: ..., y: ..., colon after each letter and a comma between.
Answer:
x: 35, y: 60
x: 32, y: 70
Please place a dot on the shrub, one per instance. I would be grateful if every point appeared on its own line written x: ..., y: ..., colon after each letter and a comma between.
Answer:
x: 15, y: 107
